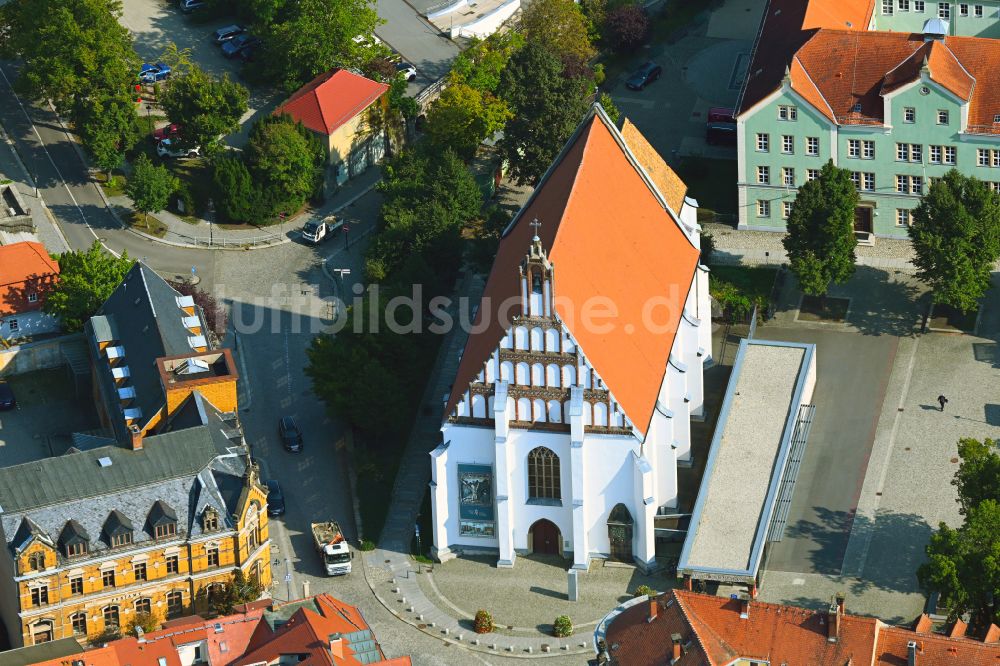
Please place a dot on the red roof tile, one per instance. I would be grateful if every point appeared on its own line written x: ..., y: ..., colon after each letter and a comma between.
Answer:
x: 25, y: 268
x: 332, y: 99
x: 610, y: 239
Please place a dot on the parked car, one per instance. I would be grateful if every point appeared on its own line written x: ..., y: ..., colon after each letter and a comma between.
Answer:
x: 408, y: 71
x: 291, y: 436
x: 188, y: 6
x: 720, y: 134
x: 228, y: 32
x: 721, y: 114
x: 643, y: 76
x: 249, y: 52
x: 7, y: 399
x: 150, y: 73
x: 238, y: 43
x: 171, y: 131
x: 275, y: 499
x: 166, y: 148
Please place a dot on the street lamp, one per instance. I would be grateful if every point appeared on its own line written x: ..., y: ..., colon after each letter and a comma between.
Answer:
x: 210, y: 213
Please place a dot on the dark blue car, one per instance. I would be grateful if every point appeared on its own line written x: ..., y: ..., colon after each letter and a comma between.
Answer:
x: 237, y: 44
x: 151, y: 73
x: 643, y: 76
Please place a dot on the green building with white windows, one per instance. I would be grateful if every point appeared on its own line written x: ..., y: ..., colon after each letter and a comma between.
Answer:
x: 897, y: 109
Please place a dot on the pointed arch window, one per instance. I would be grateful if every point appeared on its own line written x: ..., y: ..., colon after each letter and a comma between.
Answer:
x: 543, y: 475
x: 36, y: 561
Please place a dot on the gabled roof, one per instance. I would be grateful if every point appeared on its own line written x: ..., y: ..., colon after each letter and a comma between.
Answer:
x: 161, y: 514
x: 117, y: 524
x: 666, y: 179
x: 73, y: 533
x: 608, y: 236
x: 24, y: 265
x: 942, y: 67
x: 332, y: 99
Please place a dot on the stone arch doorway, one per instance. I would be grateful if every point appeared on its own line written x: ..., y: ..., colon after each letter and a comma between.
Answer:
x: 545, y: 537
x: 620, y: 533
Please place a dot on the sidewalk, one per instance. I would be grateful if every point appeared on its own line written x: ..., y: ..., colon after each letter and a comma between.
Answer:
x: 46, y: 232
x: 202, y: 234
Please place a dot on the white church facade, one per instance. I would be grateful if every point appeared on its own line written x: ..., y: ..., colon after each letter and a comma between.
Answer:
x: 571, y: 407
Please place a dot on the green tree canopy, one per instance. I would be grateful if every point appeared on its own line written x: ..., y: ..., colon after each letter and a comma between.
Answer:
x: 286, y: 162
x: 820, y: 241
x: 978, y: 475
x: 86, y: 279
x: 480, y: 65
x: 559, y: 26
x: 236, y: 194
x: 463, y: 116
x: 316, y: 36
x: 150, y: 186
x: 956, y: 239
x: 206, y: 108
x: 547, y: 108
x: 72, y: 50
x: 109, y: 127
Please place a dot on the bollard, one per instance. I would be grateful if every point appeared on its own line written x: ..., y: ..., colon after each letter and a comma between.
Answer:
x: 493, y: 646
x: 409, y: 609
x: 475, y: 641
x: 395, y: 590
x: 528, y: 649
x: 564, y: 646
x: 420, y: 617
x: 545, y: 647
x: 430, y: 624
x: 459, y: 636
x: 446, y: 631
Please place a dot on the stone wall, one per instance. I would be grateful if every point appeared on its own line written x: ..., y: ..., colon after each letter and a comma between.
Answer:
x: 34, y: 355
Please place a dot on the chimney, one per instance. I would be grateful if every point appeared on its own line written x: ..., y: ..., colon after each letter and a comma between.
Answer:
x: 744, y: 606
x: 140, y: 635
x: 653, y: 608
x: 675, y: 641
x: 337, y: 646
x: 992, y: 634
x: 958, y: 629
x: 911, y: 653
x: 840, y: 602
x: 833, y: 616
x: 136, y: 434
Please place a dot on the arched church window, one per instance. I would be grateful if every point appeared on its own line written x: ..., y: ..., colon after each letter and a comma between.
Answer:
x: 543, y: 474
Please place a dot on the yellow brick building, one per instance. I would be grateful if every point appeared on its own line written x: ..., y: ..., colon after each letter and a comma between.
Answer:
x: 156, y: 513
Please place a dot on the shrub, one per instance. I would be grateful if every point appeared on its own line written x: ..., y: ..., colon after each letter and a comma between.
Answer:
x: 182, y: 198
x: 644, y: 590
x: 484, y: 622
x: 562, y: 627
x: 367, y: 545
x: 627, y: 27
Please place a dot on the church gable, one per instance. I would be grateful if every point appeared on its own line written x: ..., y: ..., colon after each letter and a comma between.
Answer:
x: 540, y: 361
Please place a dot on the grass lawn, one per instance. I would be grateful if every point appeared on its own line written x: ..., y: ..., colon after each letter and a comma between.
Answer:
x: 148, y: 224
x: 752, y: 280
x: 712, y: 182
x: 114, y: 187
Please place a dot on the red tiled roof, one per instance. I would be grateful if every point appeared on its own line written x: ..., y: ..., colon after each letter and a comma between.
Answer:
x: 786, y: 25
x: 25, y: 268
x: 608, y: 237
x: 332, y: 99
x: 715, y: 634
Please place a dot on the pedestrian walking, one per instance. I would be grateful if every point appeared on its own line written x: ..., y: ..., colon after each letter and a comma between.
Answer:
x: 942, y: 401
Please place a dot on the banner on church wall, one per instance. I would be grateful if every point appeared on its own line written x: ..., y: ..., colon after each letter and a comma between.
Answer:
x: 475, y: 502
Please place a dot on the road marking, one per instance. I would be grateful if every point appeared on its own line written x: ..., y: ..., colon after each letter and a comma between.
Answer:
x: 51, y: 161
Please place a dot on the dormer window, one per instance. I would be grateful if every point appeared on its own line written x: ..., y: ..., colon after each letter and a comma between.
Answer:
x: 76, y: 549
x: 162, y: 521
x: 210, y: 520
x: 74, y: 539
x: 123, y: 539
x: 118, y: 530
x: 163, y: 531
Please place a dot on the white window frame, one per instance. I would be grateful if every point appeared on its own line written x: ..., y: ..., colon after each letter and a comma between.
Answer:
x: 887, y: 7
x: 978, y: 11
x: 763, y: 208
x: 786, y: 209
x: 903, y: 216
x: 787, y: 144
x: 904, y: 5
x: 916, y: 184
x: 902, y: 152
x: 918, y: 6
x: 14, y: 326
x: 763, y: 175
x: 953, y: 152
x: 812, y: 174
x: 868, y: 181
x: 942, y: 117
x: 944, y: 10
x: 902, y: 183
x: 934, y: 154
x: 763, y: 142
x: 963, y: 9
x: 995, y: 158
x: 788, y: 176
x: 856, y: 179
x: 909, y: 114
x: 812, y: 146
x: 916, y: 153
x: 854, y: 148
x: 867, y: 149
x: 982, y: 157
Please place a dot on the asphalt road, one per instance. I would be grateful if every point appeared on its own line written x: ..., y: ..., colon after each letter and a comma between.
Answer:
x: 420, y: 43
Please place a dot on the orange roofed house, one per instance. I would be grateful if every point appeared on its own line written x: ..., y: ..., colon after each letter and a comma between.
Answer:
x: 319, y: 631
x: 689, y: 629
x: 27, y: 274
x: 571, y: 407
x: 344, y: 110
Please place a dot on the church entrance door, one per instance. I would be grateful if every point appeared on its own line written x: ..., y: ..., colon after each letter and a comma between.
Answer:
x: 544, y: 538
x: 620, y: 533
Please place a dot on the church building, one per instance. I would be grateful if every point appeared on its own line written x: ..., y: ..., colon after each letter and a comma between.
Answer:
x: 571, y: 407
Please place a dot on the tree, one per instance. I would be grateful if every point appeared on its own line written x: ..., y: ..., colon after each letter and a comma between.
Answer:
x: 462, y: 117
x: 978, y: 475
x: 238, y: 590
x: 820, y: 241
x: 206, y: 108
x: 559, y: 26
x: 150, y: 186
x: 109, y: 127
x: 627, y: 27
x: 956, y: 239
x: 480, y: 65
x: 317, y: 36
x: 216, y: 317
x: 286, y: 162
x: 610, y: 108
x: 547, y: 107
x: 962, y: 565
x: 86, y: 279
x: 143, y: 620
x: 72, y: 50
x: 236, y: 193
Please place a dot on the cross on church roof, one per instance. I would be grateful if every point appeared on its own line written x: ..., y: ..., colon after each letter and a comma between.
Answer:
x: 535, y: 223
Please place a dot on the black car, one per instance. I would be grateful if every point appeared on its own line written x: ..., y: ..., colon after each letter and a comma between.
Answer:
x: 643, y: 76
x: 291, y: 436
x: 275, y: 499
x: 7, y: 399
x: 239, y: 43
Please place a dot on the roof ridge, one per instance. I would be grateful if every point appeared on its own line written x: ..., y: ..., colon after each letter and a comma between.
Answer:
x: 812, y: 82
x: 682, y: 606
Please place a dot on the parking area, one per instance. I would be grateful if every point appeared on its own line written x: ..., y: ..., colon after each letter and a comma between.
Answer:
x: 48, y: 412
x: 703, y: 68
